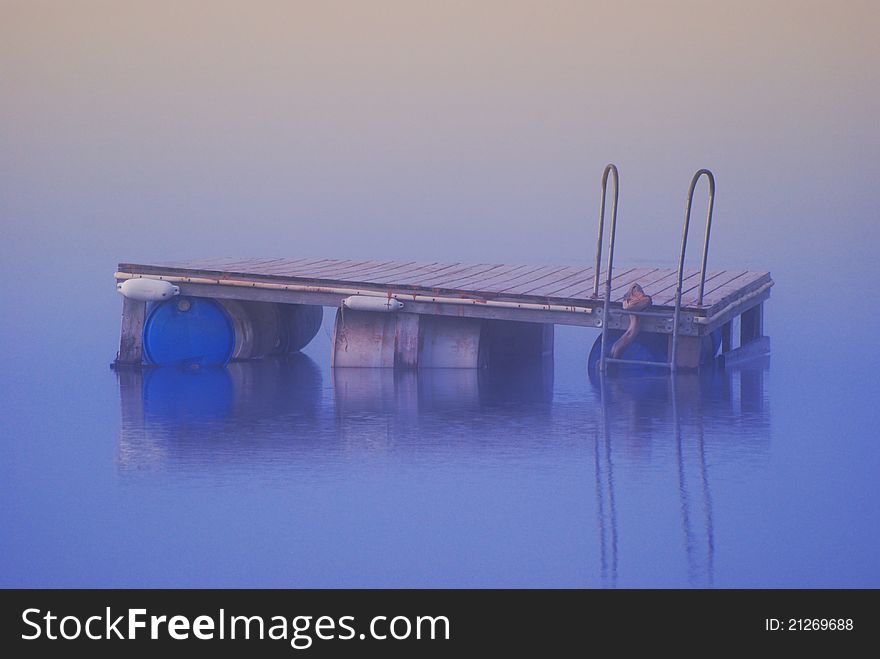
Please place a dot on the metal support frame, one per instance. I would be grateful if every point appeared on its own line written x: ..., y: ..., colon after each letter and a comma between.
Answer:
x: 671, y: 364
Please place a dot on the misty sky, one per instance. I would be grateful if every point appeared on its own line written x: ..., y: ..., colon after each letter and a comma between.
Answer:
x: 455, y: 130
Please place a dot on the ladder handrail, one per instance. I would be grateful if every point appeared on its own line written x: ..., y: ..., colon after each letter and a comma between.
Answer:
x: 609, y: 169
x: 684, y: 236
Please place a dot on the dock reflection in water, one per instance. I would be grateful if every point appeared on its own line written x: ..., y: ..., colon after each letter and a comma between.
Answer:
x: 635, y: 450
x: 432, y: 412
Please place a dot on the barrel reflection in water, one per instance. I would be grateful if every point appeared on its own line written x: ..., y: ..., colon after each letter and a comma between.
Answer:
x: 170, y: 412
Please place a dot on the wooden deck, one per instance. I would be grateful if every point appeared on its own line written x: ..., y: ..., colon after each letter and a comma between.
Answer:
x: 548, y: 293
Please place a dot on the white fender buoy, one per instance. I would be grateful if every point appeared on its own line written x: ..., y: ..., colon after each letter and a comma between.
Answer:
x: 147, y: 290
x: 372, y: 303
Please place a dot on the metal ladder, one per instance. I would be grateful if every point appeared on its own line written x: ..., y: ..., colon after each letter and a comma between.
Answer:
x: 607, y: 311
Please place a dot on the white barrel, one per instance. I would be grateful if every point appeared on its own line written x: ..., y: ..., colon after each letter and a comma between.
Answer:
x: 364, y: 339
x: 403, y: 340
x: 451, y: 342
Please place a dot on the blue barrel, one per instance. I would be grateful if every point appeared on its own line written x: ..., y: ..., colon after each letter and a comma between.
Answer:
x: 188, y: 331
x: 651, y: 347
x: 647, y: 347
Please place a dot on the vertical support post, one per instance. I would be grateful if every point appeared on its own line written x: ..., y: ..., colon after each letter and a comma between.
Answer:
x: 726, y: 337
x: 131, y: 346
x: 686, y: 353
x: 406, y: 341
x: 751, y: 324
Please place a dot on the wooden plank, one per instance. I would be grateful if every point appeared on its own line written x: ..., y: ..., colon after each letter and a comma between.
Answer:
x: 460, y: 282
x: 690, y: 290
x: 202, y: 264
x: 279, y: 266
x: 734, y: 278
x: 235, y: 270
x: 333, y: 266
x: 352, y: 271
x: 267, y: 267
x: 248, y: 267
x: 463, y: 272
x: 415, y: 270
x: 527, y: 276
x: 618, y: 293
x: 160, y: 270
x: 341, y: 269
x: 728, y: 278
x: 222, y: 265
x: 360, y: 273
x: 557, y: 273
x: 726, y: 282
x: 716, y: 293
x: 546, y: 287
x: 482, y: 283
x: 281, y: 262
x: 664, y: 288
x: 415, y: 277
x: 378, y: 269
x: 131, y: 347
x: 724, y: 295
x: 286, y: 266
x: 732, y: 311
x: 656, y: 287
x: 429, y: 280
x: 389, y: 275
x: 366, y: 276
x: 620, y: 284
x: 581, y: 281
x: 568, y: 291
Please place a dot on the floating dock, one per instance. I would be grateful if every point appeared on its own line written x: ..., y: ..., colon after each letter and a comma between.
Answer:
x: 396, y: 309
x: 528, y: 293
